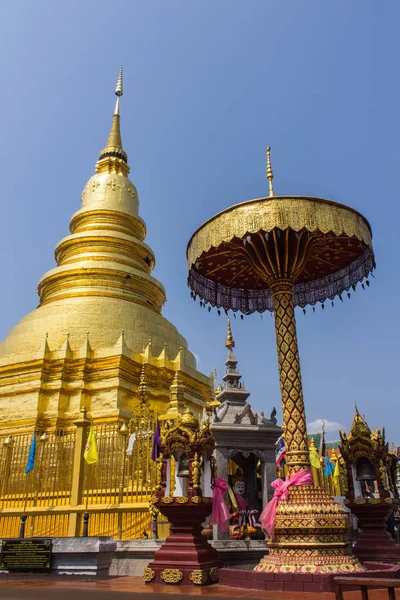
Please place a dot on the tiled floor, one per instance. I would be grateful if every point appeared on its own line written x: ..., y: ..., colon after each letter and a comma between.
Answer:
x: 28, y: 587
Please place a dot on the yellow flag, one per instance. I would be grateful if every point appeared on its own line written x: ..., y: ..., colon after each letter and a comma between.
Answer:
x: 314, y: 458
x: 336, y: 473
x: 90, y: 453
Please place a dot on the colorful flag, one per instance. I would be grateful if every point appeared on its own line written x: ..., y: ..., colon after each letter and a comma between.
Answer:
x: 280, y: 453
x: 91, y: 456
x: 314, y: 458
x: 31, y: 457
x: 156, y: 451
x: 329, y: 467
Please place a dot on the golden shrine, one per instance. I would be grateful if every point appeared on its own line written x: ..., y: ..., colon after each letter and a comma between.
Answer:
x: 96, y: 349
x: 274, y: 254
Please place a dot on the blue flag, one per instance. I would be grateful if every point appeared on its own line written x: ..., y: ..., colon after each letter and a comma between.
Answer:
x: 156, y: 450
x: 280, y: 453
x: 32, y: 452
x: 329, y: 467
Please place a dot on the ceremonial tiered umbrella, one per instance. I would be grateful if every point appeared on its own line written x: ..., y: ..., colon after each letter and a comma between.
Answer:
x: 274, y: 254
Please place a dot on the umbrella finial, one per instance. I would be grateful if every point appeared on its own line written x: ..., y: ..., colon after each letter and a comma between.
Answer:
x: 270, y: 174
x: 229, y: 343
x: 119, y: 90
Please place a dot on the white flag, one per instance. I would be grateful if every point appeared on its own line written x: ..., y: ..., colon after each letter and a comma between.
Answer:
x: 132, y: 438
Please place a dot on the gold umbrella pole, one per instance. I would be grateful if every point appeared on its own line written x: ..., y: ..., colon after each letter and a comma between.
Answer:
x: 311, y: 529
x: 294, y: 416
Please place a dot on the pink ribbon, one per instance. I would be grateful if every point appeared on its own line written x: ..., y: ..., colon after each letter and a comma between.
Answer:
x: 267, y: 516
x: 242, y: 503
x: 220, y: 513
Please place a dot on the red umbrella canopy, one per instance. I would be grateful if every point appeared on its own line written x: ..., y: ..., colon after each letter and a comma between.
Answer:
x: 322, y: 247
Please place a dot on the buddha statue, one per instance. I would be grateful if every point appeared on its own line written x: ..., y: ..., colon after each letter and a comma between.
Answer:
x: 244, y: 519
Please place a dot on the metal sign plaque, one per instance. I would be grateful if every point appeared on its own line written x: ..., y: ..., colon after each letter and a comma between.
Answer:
x: 26, y: 554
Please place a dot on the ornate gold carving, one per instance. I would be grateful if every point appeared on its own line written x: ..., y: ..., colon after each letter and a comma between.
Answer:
x: 360, y: 500
x: 288, y: 569
x: 196, y: 499
x: 114, y: 185
x: 329, y: 569
x: 310, y: 533
x: 382, y: 472
x: 181, y: 499
x: 171, y: 575
x: 389, y: 500
x: 214, y: 574
x: 167, y: 500
x: 196, y: 471
x: 308, y: 569
x: 148, y: 574
x: 373, y: 500
x: 295, y: 213
x: 199, y: 576
x: 94, y: 185
x: 159, y: 467
x: 206, y: 500
x: 297, y: 452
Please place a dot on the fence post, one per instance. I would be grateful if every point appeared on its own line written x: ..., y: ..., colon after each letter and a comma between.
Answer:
x: 22, y: 526
x: 74, y: 520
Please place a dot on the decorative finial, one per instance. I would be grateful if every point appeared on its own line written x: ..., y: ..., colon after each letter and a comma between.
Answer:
x: 119, y: 90
x: 113, y: 158
x: 270, y: 174
x: 229, y: 343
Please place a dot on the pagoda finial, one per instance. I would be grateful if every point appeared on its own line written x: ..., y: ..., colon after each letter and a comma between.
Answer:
x: 113, y: 159
x: 230, y: 342
x: 270, y: 174
x: 119, y: 90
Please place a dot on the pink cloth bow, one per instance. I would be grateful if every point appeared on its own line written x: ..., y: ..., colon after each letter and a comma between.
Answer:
x: 267, y: 516
x: 220, y: 513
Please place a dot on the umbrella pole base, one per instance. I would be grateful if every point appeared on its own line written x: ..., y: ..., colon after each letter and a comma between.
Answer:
x: 311, y: 535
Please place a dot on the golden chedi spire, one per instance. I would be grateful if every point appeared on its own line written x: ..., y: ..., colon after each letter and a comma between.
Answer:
x: 102, y: 282
x: 229, y: 342
x: 113, y: 158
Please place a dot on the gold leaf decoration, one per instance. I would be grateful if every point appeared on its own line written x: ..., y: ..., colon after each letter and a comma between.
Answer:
x: 171, y: 575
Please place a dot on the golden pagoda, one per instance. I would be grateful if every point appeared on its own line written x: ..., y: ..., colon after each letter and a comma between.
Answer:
x: 78, y: 357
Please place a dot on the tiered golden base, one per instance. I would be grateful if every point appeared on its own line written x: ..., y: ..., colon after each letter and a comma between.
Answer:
x: 311, y: 535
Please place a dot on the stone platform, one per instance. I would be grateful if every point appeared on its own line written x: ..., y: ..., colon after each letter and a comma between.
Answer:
x: 299, y: 582
x: 132, y: 556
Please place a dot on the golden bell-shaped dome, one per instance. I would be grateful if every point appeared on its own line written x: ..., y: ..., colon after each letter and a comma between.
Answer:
x: 102, y: 282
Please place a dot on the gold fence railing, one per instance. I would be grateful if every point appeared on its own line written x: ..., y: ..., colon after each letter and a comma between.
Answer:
x: 115, y: 492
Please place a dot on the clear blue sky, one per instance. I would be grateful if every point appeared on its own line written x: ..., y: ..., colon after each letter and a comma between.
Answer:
x: 208, y: 84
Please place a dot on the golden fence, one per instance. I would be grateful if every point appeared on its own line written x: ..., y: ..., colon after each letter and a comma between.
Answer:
x: 54, y: 496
